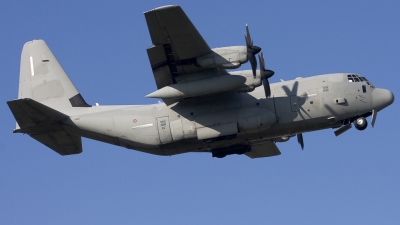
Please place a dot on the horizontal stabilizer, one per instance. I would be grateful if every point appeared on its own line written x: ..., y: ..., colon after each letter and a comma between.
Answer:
x: 43, y: 124
x: 264, y: 149
x: 29, y: 113
x: 61, y: 142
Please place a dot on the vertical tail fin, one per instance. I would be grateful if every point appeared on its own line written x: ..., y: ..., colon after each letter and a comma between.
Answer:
x: 44, y: 80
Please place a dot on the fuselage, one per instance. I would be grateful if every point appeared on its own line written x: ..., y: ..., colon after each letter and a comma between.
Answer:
x: 296, y: 106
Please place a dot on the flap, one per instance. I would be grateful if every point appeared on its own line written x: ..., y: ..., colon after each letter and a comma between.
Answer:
x: 265, y: 149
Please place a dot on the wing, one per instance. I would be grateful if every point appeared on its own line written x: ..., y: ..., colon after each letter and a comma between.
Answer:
x: 264, y: 149
x: 176, y: 44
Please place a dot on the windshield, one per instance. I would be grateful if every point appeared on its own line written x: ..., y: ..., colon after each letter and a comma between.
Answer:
x: 358, y: 78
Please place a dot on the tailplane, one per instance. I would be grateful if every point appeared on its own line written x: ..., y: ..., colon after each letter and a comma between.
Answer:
x: 44, y: 124
x: 45, y: 91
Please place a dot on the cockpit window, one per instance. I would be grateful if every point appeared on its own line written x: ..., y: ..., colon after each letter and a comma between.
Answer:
x: 357, y: 78
x: 353, y: 78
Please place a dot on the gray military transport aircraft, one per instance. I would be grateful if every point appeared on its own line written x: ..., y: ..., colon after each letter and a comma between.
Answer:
x: 206, y: 108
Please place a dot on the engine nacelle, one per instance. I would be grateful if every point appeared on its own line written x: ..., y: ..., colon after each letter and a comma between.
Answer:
x: 251, y: 81
x: 227, y: 57
x: 199, y: 87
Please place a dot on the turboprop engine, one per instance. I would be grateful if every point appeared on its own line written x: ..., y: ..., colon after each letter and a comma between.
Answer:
x: 227, y: 57
x: 231, y: 57
x: 200, y: 87
x: 241, y: 81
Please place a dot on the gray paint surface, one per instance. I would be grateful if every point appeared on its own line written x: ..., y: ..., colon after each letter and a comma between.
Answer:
x: 206, y: 122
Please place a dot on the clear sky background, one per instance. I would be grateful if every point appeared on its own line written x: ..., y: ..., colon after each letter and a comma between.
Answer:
x: 351, y: 179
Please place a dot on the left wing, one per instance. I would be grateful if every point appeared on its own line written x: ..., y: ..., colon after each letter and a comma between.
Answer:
x: 169, y: 25
x: 176, y: 44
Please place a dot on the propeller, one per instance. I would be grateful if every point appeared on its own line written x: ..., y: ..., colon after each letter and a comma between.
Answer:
x: 265, y: 74
x: 300, y: 140
x: 252, y: 51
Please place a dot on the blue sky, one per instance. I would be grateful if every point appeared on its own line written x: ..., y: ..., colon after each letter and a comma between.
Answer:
x: 351, y: 179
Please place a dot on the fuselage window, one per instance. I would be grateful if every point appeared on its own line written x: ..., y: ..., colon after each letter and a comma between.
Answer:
x: 163, y: 123
x: 364, y: 89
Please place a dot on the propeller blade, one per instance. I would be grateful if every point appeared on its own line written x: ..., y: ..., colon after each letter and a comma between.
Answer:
x: 262, y: 62
x: 267, y: 88
x: 249, y: 42
x: 253, y: 63
x: 252, y: 51
x: 374, y: 115
x: 342, y: 129
x: 300, y: 140
x: 265, y: 74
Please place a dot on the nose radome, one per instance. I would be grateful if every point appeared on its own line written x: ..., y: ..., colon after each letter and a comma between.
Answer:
x: 381, y: 98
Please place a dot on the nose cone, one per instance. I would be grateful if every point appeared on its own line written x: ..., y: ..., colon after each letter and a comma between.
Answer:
x: 381, y: 98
